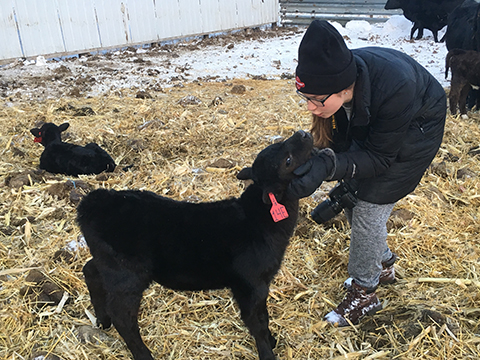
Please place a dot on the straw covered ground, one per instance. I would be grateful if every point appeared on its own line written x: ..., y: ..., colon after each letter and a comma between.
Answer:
x: 188, y: 143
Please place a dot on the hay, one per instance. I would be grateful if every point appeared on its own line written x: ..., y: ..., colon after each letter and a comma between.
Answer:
x: 188, y: 143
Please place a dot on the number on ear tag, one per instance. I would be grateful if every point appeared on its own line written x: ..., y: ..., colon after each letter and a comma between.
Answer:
x: 277, y: 211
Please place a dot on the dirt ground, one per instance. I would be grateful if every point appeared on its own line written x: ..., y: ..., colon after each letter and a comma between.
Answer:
x: 147, y: 69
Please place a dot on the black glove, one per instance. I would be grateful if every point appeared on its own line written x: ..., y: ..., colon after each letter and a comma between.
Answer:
x: 312, y: 174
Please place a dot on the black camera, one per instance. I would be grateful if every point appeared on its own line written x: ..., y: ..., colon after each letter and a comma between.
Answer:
x: 341, y: 196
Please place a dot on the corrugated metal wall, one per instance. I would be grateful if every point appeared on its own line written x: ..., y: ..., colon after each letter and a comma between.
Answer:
x: 58, y: 27
x: 303, y: 12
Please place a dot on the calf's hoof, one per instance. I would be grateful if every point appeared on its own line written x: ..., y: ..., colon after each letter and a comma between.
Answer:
x: 104, y: 323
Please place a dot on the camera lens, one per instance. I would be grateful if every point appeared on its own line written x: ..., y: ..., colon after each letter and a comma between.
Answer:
x: 325, y: 211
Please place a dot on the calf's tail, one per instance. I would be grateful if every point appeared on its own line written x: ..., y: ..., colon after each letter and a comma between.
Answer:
x: 447, y: 64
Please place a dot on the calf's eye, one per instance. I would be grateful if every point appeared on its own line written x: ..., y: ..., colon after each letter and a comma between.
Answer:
x: 288, y: 162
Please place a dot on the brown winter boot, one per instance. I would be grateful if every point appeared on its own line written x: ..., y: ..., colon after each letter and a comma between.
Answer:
x: 387, y: 276
x: 356, y: 304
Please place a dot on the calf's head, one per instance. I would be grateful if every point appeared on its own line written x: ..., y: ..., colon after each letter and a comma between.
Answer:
x: 49, y: 133
x: 273, y: 168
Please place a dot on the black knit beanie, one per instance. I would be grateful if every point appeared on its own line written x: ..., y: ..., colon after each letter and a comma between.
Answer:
x: 325, y: 64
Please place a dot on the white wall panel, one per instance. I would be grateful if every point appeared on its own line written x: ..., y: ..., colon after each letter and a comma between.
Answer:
x: 78, y: 24
x: 142, y: 20
x: 168, y: 14
x: 56, y: 27
x: 190, y: 17
x: 11, y: 43
x: 112, y: 22
x: 39, y: 27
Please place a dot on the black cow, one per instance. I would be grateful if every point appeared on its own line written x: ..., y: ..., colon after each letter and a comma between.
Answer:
x: 463, y: 27
x: 425, y: 14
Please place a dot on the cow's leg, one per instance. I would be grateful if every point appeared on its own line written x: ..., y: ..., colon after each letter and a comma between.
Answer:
x: 97, y: 293
x: 420, y: 33
x: 414, y: 28
x: 252, y: 300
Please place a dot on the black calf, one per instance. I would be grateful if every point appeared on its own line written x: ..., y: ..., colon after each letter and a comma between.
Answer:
x: 70, y: 159
x: 136, y: 237
x: 465, y: 68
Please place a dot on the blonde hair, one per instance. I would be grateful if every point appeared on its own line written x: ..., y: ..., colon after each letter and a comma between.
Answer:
x: 322, y: 129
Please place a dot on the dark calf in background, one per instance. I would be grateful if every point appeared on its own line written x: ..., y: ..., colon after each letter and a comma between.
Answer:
x: 463, y: 32
x: 136, y: 237
x: 465, y: 68
x: 70, y: 159
x: 425, y: 14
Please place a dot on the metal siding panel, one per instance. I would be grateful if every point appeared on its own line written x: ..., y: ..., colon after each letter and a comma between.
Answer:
x: 167, y: 19
x: 228, y: 12
x: 189, y: 17
x: 273, y: 11
x: 79, y: 25
x: 300, y: 12
x: 39, y: 27
x: 142, y: 20
x: 243, y: 7
x: 218, y: 15
x: 58, y: 26
x: 11, y: 42
x: 253, y: 13
x: 263, y: 12
x: 209, y: 15
x: 112, y: 22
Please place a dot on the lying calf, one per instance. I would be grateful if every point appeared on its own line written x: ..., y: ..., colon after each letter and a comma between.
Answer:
x: 136, y: 237
x: 63, y: 158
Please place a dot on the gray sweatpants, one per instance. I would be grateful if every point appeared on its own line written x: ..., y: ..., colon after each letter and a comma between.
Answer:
x: 368, y: 242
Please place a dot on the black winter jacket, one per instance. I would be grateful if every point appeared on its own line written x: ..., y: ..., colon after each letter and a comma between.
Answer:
x: 396, y: 126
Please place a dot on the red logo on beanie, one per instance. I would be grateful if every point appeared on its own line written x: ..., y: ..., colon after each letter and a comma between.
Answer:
x: 299, y: 83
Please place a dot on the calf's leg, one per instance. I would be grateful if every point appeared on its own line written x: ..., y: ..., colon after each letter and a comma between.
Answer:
x: 476, y: 94
x: 462, y: 101
x: 454, y: 95
x: 124, y: 293
x: 253, y: 308
x: 97, y: 292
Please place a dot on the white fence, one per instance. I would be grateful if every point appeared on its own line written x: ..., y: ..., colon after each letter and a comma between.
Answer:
x: 30, y: 28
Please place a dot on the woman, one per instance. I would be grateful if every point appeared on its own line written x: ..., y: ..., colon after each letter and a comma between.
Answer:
x: 378, y: 118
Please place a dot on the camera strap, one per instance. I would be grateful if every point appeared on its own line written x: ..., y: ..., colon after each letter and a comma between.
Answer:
x: 277, y: 211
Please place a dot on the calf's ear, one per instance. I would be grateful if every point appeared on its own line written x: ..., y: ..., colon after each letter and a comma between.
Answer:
x: 35, y: 132
x: 245, y: 174
x: 63, y: 127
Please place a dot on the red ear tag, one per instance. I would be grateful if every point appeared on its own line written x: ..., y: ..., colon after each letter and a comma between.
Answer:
x: 37, y: 139
x: 278, y: 211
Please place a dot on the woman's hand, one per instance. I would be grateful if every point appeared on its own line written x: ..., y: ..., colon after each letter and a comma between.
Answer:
x: 311, y: 175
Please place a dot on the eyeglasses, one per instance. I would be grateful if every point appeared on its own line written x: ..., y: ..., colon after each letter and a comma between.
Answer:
x: 316, y: 102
